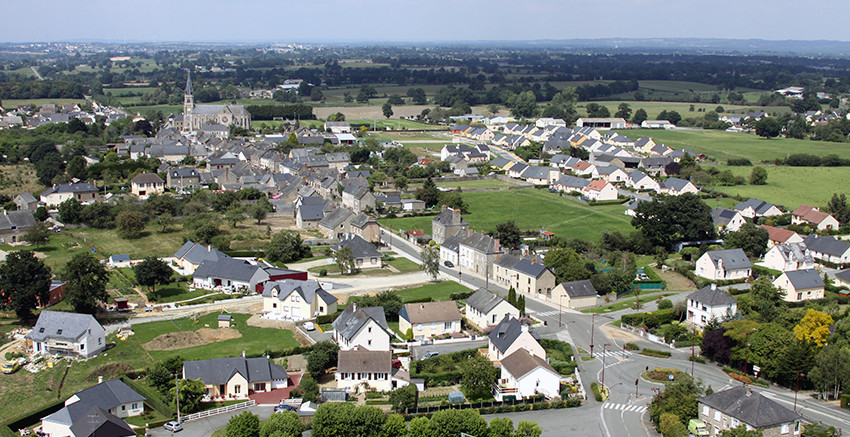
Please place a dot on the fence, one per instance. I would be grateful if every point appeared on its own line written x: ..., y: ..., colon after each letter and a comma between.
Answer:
x: 213, y: 412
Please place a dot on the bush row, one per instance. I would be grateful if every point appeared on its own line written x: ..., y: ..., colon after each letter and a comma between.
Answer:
x: 655, y: 353
x: 597, y: 393
x: 845, y: 400
x: 459, y: 296
x: 696, y: 359
x: 649, y: 319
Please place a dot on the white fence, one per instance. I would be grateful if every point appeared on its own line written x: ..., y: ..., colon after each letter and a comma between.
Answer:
x: 213, y: 412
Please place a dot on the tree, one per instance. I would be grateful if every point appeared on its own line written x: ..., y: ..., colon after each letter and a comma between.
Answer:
x: 528, y: 429
x: 285, y: 424
x: 387, y: 110
x: 818, y: 430
x: 624, y: 111
x: 130, y: 224
x: 477, y: 377
x: 431, y: 261
x: 367, y: 421
x: 259, y: 210
x: 234, y: 215
x: 24, y: 283
x: 404, y: 398
x: 758, y: 176
x: 766, y: 299
x: 452, y: 422
x: 333, y: 420
x: 322, y: 356
x: 428, y: 193
x: 245, y: 424
x: 191, y: 394
x: 523, y: 105
x: 286, y: 246
x: 512, y: 296
x: 520, y: 305
x: 419, y: 427
x: 814, y: 327
x: 768, y: 127
x: 400, y: 182
x: 671, y: 116
x: 640, y: 116
x: 839, y: 208
x: 674, y: 218
x: 344, y: 259
x: 453, y: 200
x: 567, y: 265
x: 394, y: 426
x: 678, y: 398
x: 751, y: 238
x: 77, y: 168
x: 831, y: 372
x: 151, y: 272
x: 671, y: 426
x: 70, y: 211
x: 40, y: 214
x: 87, y: 279
x: 309, y: 389
x: 741, y: 431
x: 501, y: 427
x: 508, y: 234
x: 38, y: 234
x: 597, y: 111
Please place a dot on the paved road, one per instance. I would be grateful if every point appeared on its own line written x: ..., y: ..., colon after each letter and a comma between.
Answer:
x: 205, y: 427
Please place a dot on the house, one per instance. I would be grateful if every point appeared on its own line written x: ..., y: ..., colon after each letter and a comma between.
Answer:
x: 709, y: 303
x: 366, y: 228
x: 67, y: 334
x: 96, y: 411
x: 358, y: 198
x: 338, y: 127
x: 79, y: 191
x: 363, y: 253
x: 336, y: 223
x: 789, y: 256
x: 146, y: 184
x: 842, y: 279
x: 601, y: 123
x: 657, y: 124
x: 429, y: 319
x: 611, y: 174
x: 806, y: 214
x: 236, y: 377
x: 754, y: 208
x: 524, y: 375
x: 478, y: 252
x: 26, y: 201
x: 15, y: 224
x: 727, y: 220
x: 448, y: 223
x: 368, y: 369
x: 799, y: 285
x: 677, y: 187
x: 656, y: 165
x: 569, y: 184
x: 309, y: 212
x: 828, y: 249
x: 600, y: 190
x: 292, y: 299
x: 182, y: 178
x: 724, y: 265
x: 365, y: 328
x: 575, y: 294
x: 638, y: 180
x: 413, y: 205
x: 781, y: 236
x: 56, y: 292
x: 118, y: 261
x: 511, y: 335
x: 739, y: 406
x: 190, y: 256
x: 450, y: 249
x: 525, y: 276
x: 239, y: 275
x: 540, y: 175
x: 485, y: 308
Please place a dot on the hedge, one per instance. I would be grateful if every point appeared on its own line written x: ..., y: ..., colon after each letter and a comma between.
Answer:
x: 696, y: 359
x: 325, y: 319
x: 649, y: 319
x: 34, y: 418
x: 655, y: 353
x: 457, y: 296
x: 764, y: 271
x: 597, y: 394
x: 845, y: 400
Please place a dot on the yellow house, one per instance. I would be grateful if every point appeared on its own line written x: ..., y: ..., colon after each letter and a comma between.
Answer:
x: 236, y: 378
x: 429, y: 319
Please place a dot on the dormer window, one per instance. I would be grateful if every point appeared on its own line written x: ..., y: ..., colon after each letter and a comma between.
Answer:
x: 59, y: 332
x: 41, y: 330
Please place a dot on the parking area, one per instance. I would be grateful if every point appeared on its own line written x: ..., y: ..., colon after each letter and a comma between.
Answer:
x: 418, y: 352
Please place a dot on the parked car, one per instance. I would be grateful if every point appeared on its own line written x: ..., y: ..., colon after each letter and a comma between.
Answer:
x: 11, y: 366
x: 396, y: 364
x: 697, y: 427
x: 430, y: 354
x: 310, y: 326
x: 448, y: 264
x: 282, y: 407
x: 173, y: 426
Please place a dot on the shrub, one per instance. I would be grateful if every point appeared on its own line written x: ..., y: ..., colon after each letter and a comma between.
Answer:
x: 655, y: 353
x: 696, y: 359
x: 631, y: 347
x: 845, y: 401
x: 323, y: 273
x: 597, y: 393
x: 664, y: 304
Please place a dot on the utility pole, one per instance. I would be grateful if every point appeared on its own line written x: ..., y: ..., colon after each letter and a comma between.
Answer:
x: 592, y: 320
x: 177, y: 386
x: 604, y: 346
x: 796, y: 389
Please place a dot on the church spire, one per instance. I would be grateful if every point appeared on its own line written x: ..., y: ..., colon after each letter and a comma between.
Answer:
x: 189, y: 82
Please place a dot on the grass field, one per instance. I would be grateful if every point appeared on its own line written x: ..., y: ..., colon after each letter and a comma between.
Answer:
x: 531, y: 210
x: 409, y: 136
x: 15, y: 179
x: 483, y: 183
x: 437, y: 292
x: 653, y: 108
x: 722, y: 145
x: 14, y: 103
x: 153, y: 243
x: 792, y: 186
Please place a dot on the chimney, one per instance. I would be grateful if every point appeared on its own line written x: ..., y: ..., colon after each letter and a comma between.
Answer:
x: 421, y: 306
x: 243, y: 353
x: 99, y: 379
x: 524, y: 327
x: 353, y: 306
x: 714, y: 286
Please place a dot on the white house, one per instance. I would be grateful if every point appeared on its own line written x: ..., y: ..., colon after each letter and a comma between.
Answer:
x: 236, y: 377
x: 709, y: 303
x: 752, y: 208
x: 657, y: 124
x: 362, y: 327
x: 727, y: 219
x: 67, y: 334
x: 638, y: 180
x: 523, y: 375
x: 677, y: 187
x: 98, y: 410
x: 790, y: 256
x: 118, y: 261
x: 450, y: 249
x: 828, y: 249
x: 368, y: 369
x: 484, y: 308
x: 511, y: 335
x: 806, y: 214
x: 600, y: 190
x: 575, y: 294
x: 292, y: 299
x: 80, y: 191
x: 800, y: 285
x: 146, y: 184
x: 781, y: 236
x: 724, y: 265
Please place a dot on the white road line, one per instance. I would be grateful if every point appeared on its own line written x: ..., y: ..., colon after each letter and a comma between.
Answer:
x: 624, y: 407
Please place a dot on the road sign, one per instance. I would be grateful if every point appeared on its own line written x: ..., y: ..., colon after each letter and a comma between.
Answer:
x: 670, y: 376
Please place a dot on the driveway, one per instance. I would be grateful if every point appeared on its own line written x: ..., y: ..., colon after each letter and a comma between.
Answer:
x: 208, y: 425
x: 417, y: 352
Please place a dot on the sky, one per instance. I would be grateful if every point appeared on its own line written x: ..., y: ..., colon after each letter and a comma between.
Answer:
x: 306, y: 21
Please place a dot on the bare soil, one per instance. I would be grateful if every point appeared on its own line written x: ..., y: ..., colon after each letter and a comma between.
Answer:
x: 183, y: 339
x: 619, y: 333
x: 676, y: 281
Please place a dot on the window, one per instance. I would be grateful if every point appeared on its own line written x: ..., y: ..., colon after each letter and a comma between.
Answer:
x: 734, y: 422
x: 705, y: 410
x: 419, y: 327
x: 59, y: 332
x: 447, y: 326
x: 123, y: 408
x: 369, y: 330
x: 237, y: 389
x: 274, y: 305
x: 717, y: 415
x: 99, y: 339
x: 785, y: 429
x: 294, y: 298
x: 83, y: 347
x: 134, y: 406
x: 369, y: 343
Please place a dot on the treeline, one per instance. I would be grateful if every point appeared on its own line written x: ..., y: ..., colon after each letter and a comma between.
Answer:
x: 287, y: 112
x: 47, y: 89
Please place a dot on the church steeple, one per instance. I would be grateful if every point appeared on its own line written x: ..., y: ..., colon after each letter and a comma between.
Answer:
x: 188, y: 103
x: 189, y: 82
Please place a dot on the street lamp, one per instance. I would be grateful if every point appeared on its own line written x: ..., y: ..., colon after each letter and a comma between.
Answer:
x: 603, y: 363
x: 592, y: 320
x: 560, y: 297
x: 796, y: 389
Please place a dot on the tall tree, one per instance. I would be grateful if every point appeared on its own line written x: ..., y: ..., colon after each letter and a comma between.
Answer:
x: 766, y: 299
x: 428, y: 193
x: 768, y: 127
x: 344, y: 259
x: 431, y: 261
x: 38, y: 234
x: 508, y: 234
x: 151, y: 272
x: 758, y: 176
x: 624, y: 111
x: 478, y: 376
x: 404, y: 398
x: 130, y: 224
x: 839, y: 208
x: 191, y: 394
x: 323, y: 356
x: 387, y: 110
x: 24, y: 283
x: 831, y: 372
x: 751, y: 238
x: 674, y: 218
x: 640, y: 116
x: 286, y: 246
x: 87, y: 279
x: 814, y: 327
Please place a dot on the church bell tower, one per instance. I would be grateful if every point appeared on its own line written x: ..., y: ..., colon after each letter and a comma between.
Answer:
x: 188, y: 103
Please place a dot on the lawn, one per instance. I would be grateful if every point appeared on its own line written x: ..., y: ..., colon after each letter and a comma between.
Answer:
x: 483, y: 183
x: 531, y: 210
x: 14, y: 103
x: 437, y: 291
x: 58, y: 251
x: 625, y: 302
x: 792, y: 186
x: 409, y: 136
x: 653, y: 108
x: 15, y: 179
x: 722, y: 145
x: 404, y: 265
x: 152, y: 243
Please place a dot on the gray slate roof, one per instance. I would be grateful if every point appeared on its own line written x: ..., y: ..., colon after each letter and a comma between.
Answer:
x: 17, y: 219
x: 308, y: 290
x: 483, y: 300
x: 573, y: 182
x: 105, y: 395
x: 722, y: 216
x: 844, y: 275
x: 796, y: 252
x: 311, y: 212
x: 529, y: 268
x: 60, y: 325
x: 827, y: 245
x: 506, y: 332
x: 453, y: 243
x: 79, y: 187
x: 805, y: 279
x: 351, y: 320
x: 360, y: 248
x: 711, y: 296
x: 749, y: 407
x: 197, y: 253
x: 759, y: 206
x: 581, y: 288
x: 97, y: 422
x: 481, y: 243
x: 336, y: 218
x: 230, y: 268
x: 675, y: 184
x: 220, y: 370
x: 732, y: 258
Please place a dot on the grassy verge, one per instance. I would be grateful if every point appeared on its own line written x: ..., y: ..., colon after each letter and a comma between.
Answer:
x: 626, y: 302
x: 437, y: 292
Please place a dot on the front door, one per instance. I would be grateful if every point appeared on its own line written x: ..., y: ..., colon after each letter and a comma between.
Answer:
x: 296, y: 313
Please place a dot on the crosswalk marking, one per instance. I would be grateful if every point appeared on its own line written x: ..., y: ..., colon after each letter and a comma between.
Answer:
x: 612, y: 354
x: 624, y: 407
x: 546, y: 313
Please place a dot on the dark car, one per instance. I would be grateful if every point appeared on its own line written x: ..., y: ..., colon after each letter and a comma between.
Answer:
x: 448, y: 264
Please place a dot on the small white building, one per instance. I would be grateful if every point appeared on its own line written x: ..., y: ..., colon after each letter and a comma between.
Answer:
x: 360, y: 368
x: 292, y: 299
x: 67, y: 334
x: 799, y: 285
x: 724, y: 265
x: 575, y: 294
x: 365, y: 328
x: 523, y: 375
x: 657, y: 124
x: 484, y: 308
x: 709, y: 303
x: 429, y: 319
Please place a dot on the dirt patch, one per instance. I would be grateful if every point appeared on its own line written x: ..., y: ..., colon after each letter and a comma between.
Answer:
x: 109, y: 371
x: 619, y: 333
x: 183, y: 339
x: 676, y: 281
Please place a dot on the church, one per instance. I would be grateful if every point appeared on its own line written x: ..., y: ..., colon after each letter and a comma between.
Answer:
x: 195, y: 117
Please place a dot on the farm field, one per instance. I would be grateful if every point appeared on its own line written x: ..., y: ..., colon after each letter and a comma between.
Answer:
x: 403, y: 136
x: 14, y: 103
x: 792, y: 186
x: 722, y: 145
x: 531, y: 210
x: 483, y: 183
x: 17, y: 178
x: 653, y: 108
